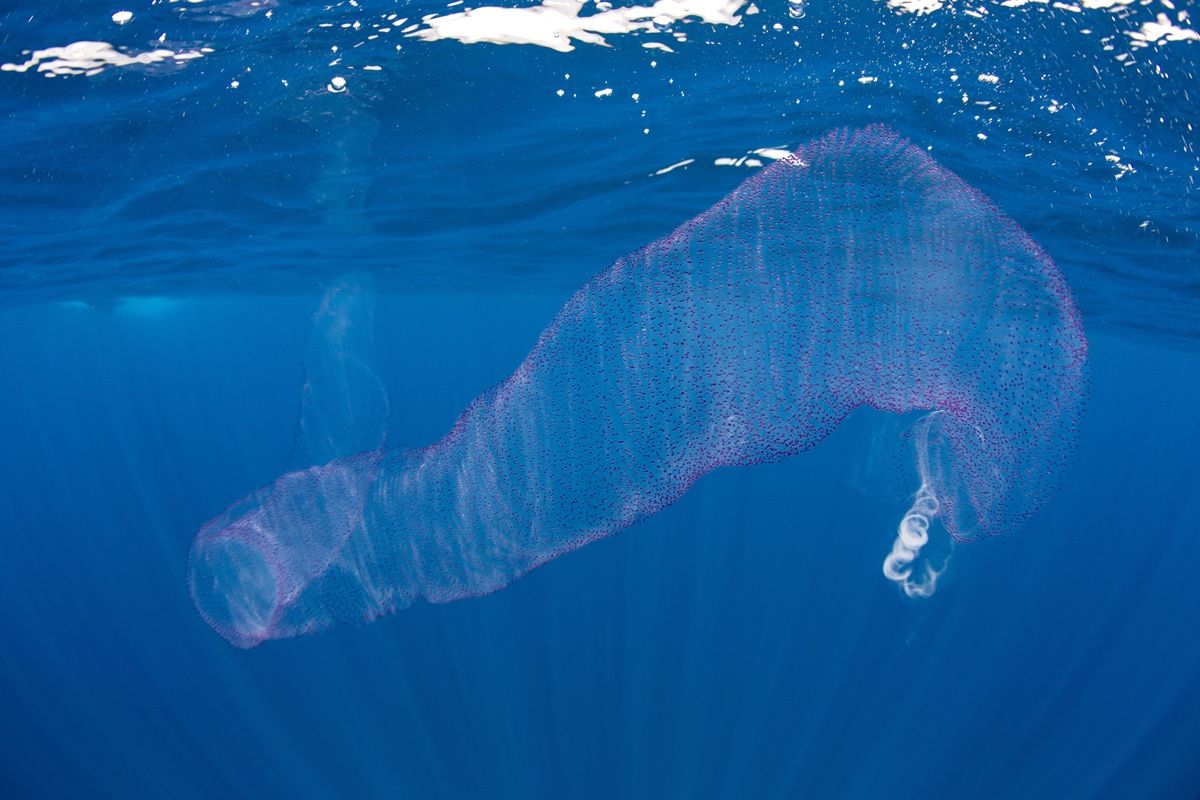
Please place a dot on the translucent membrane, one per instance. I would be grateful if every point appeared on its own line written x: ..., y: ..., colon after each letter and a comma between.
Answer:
x: 855, y: 273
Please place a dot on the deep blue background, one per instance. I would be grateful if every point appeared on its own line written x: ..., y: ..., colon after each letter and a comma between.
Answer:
x: 743, y: 643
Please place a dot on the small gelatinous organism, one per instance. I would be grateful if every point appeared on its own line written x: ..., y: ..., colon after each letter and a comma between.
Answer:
x: 855, y: 273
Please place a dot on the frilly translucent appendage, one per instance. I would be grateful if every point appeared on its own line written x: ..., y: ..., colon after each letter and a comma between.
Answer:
x: 911, y: 535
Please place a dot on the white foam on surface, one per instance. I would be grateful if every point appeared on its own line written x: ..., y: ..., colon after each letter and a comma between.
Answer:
x: 1121, y: 168
x: 1161, y: 31
x: 773, y: 153
x: 675, y: 166
x: 92, y: 58
x: 557, y: 24
x: 750, y: 160
x: 917, y: 7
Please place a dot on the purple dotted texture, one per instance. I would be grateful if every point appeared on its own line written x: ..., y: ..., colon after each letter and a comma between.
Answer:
x: 856, y: 272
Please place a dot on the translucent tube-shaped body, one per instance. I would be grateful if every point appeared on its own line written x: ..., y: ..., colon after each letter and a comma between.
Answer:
x: 855, y: 273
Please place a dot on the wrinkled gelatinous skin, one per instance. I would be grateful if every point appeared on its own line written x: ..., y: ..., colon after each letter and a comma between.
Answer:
x: 855, y: 273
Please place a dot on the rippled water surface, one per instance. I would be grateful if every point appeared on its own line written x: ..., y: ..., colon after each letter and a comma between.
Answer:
x: 268, y: 142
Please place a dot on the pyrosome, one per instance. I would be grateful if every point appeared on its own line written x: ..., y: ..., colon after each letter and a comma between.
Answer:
x: 853, y: 273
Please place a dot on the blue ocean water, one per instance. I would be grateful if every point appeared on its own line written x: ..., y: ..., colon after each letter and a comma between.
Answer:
x: 169, y: 221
